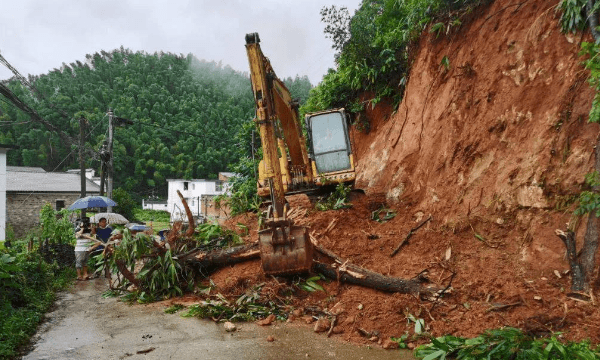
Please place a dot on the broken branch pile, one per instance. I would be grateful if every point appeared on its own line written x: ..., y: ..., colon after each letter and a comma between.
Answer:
x: 175, y: 258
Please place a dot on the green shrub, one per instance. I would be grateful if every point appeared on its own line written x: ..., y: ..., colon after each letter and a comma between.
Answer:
x: 152, y: 215
x: 507, y: 343
x: 56, y: 226
x: 374, y: 49
x: 27, y: 290
x: 126, y: 205
x: 336, y: 200
x: 573, y: 16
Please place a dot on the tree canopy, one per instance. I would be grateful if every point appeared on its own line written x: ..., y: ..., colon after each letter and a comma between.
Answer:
x: 186, y: 114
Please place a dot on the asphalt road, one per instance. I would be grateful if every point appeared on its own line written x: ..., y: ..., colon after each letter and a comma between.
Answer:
x: 84, y: 325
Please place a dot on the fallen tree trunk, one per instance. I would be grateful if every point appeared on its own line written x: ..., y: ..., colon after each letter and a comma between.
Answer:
x: 191, y: 223
x: 222, y: 257
x: 346, y: 272
x: 126, y: 273
x: 577, y: 274
x: 356, y: 275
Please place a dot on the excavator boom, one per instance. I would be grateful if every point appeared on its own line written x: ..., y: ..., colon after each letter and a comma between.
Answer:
x: 284, y: 247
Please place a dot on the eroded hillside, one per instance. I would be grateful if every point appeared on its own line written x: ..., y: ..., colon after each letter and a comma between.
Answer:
x: 493, y: 144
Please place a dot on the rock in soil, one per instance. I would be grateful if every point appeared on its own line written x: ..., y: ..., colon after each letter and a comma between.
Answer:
x: 229, y: 326
x: 389, y: 344
x: 337, y: 330
x: 266, y: 321
x: 322, y: 325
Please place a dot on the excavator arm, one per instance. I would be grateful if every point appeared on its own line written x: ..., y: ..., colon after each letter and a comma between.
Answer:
x: 277, y: 114
x: 285, y: 248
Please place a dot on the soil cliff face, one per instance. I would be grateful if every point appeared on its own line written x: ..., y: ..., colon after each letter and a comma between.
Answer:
x: 494, y: 147
x: 505, y: 126
x: 501, y: 133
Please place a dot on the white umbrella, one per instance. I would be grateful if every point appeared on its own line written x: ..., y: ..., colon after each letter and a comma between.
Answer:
x: 111, y: 218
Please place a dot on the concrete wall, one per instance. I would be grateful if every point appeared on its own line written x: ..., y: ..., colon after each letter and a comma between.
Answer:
x: 151, y: 205
x: 23, y: 209
x: 2, y: 194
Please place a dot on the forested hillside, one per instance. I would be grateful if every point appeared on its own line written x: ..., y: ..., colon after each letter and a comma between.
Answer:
x: 186, y: 114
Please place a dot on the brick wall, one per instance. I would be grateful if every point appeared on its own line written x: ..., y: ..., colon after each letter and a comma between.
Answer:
x: 23, y: 210
x: 210, y: 210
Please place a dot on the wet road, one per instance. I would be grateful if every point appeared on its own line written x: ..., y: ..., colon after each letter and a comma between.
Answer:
x: 86, y: 326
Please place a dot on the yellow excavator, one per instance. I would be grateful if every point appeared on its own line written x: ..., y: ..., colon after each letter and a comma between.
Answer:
x: 289, y: 165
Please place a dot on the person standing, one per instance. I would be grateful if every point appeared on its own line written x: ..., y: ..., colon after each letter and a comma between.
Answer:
x: 85, y: 244
x: 102, y: 231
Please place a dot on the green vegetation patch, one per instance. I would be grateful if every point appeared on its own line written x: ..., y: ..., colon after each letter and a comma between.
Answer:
x: 248, y: 307
x: 338, y: 199
x: 507, y: 343
x: 27, y: 290
x: 375, y: 46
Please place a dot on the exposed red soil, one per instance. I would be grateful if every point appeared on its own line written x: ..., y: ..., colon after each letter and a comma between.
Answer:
x: 495, y: 146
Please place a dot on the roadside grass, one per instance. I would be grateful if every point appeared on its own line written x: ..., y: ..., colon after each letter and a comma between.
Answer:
x: 158, y: 219
x: 152, y: 215
x: 506, y: 343
x: 27, y: 291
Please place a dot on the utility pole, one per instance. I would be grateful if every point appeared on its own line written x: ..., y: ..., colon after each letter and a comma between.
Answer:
x: 82, y: 122
x: 104, y: 156
x: 109, y: 190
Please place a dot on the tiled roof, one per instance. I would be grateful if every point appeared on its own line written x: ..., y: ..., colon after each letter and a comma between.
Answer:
x: 24, y: 169
x: 35, y: 181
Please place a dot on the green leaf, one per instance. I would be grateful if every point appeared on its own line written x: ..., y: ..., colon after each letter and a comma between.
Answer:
x: 440, y: 354
x: 315, y: 285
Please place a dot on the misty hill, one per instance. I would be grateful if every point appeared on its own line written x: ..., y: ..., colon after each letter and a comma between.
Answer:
x: 186, y: 114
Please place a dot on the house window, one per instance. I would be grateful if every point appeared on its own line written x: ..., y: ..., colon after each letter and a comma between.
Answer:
x: 60, y: 204
x: 219, y: 186
x: 185, y: 185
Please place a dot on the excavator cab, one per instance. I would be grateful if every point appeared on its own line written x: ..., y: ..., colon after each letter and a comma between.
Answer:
x: 330, y: 146
x: 330, y: 143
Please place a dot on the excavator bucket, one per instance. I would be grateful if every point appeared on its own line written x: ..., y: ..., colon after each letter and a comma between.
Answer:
x: 285, y: 249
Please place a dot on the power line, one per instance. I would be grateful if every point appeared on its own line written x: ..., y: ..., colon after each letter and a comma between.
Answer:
x: 8, y: 94
x: 29, y: 85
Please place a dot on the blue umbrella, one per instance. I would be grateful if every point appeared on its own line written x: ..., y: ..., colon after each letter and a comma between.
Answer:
x: 92, y: 202
x: 136, y: 227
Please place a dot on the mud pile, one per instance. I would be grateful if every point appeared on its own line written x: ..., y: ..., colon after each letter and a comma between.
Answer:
x: 495, y: 148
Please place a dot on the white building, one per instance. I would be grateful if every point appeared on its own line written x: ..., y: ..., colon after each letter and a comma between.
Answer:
x: 89, y: 173
x: 198, y: 193
x: 3, y: 150
x: 161, y: 205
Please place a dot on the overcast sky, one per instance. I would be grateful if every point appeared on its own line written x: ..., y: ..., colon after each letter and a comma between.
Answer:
x: 37, y: 36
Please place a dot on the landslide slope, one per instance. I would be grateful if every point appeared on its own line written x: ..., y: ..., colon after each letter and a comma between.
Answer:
x: 495, y: 148
x: 495, y: 145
